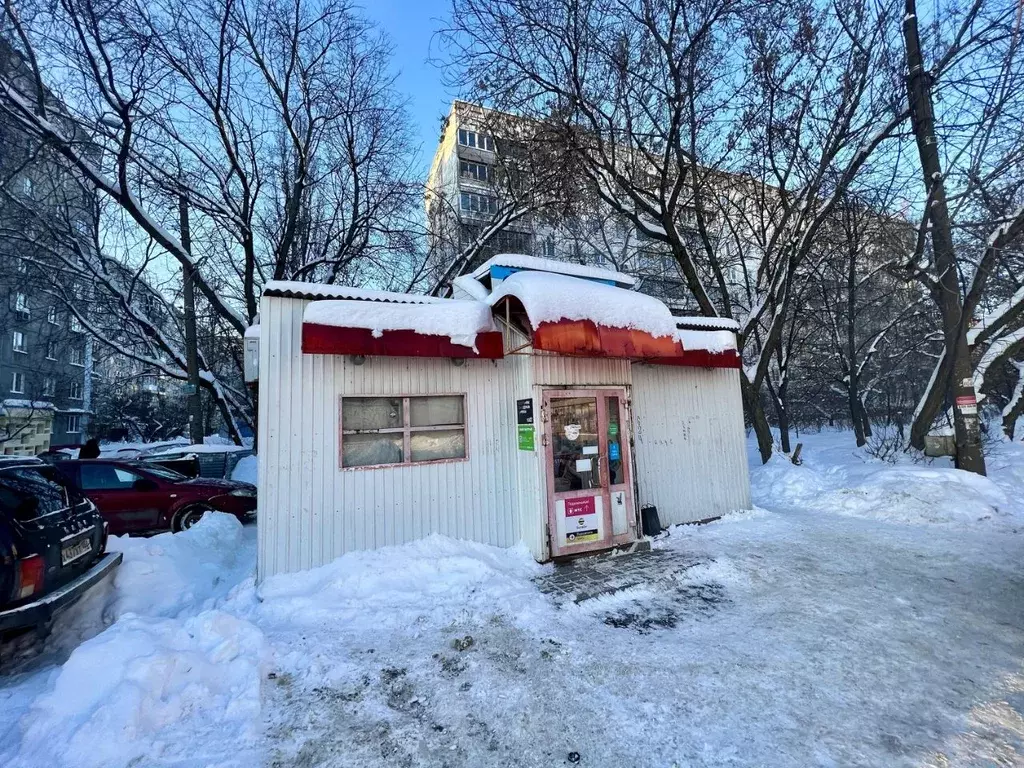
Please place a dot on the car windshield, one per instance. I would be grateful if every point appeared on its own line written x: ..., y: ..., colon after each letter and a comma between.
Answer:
x: 162, y: 472
x: 31, y: 492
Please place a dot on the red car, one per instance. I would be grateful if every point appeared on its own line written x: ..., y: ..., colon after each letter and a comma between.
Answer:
x: 136, y: 497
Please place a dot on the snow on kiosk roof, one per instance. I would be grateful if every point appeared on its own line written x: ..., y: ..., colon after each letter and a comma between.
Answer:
x: 440, y: 328
x: 585, y: 318
x: 504, y: 264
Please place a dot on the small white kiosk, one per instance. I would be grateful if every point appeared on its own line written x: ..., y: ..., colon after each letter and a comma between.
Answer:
x: 545, y: 403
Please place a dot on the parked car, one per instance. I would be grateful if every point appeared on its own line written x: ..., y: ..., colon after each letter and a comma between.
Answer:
x: 52, y: 544
x: 138, y: 497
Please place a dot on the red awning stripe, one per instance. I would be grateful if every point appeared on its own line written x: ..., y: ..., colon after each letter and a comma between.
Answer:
x: 584, y: 338
x: 333, y: 340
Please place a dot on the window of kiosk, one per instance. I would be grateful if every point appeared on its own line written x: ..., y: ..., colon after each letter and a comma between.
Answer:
x: 616, y: 475
x: 575, y: 444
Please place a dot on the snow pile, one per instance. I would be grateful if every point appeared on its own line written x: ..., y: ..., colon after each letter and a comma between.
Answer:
x: 167, y: 574
x: 550, y: 298
x: 536, y: 263
x: 424, y: 578
x: 245, y: 470
x: 460, y: 321
x: 175, y: 677
x: 840, y: 479
x: 151, y: 692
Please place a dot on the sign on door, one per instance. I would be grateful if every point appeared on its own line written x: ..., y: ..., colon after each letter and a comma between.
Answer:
x: 582, y: 519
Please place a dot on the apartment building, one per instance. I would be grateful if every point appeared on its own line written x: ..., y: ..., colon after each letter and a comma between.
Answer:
x: 490, y: 165
x: 46, y: 357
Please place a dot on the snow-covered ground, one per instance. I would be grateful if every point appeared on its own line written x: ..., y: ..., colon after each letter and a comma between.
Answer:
x: 867, y: 614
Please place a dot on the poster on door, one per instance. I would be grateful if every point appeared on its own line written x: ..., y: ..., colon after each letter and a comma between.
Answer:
x: 581, y: 520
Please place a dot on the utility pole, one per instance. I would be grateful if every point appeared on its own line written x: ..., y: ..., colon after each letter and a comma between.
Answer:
x: 195, y: 406
x: 954, y: 325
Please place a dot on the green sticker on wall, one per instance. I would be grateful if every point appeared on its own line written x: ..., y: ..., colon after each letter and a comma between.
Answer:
x: 613, y: 428
x: 526, y: 437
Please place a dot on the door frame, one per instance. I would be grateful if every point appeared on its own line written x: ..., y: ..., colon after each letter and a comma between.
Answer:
x: 606, y: 491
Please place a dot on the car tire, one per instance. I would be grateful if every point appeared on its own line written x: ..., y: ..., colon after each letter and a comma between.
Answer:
x: 189, y: 516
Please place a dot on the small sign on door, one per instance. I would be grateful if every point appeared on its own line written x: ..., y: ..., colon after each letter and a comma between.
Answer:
x: 581, y: 525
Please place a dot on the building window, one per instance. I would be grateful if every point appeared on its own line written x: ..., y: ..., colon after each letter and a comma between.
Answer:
x: 19, y: 342
x: 474, y: 203
x: 76, y: 324
x: 21, y: 304
x: 378, y: 431
x: 74, y: 424
x: 49, y: 387
x: 77, y: 356
x: 18, y: 383
x: 22, y: 266
x: 476, y: 171
x: 51, y: 350
x: 475, y: 140
x: 51, y: 316
x: 75, y: 391
x: 26, y: 186
x: 510, y: 241
x: 549, y: 246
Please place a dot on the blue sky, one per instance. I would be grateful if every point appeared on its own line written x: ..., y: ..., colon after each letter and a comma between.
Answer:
x: 411, y: 25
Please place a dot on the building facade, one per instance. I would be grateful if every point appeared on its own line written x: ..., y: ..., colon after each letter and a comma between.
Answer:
x: 46, y: 356
x: 490, y: 166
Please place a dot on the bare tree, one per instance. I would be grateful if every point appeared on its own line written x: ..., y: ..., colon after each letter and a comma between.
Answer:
x: 970, y: 153
x: 277, y: 122
x: 742, y: 122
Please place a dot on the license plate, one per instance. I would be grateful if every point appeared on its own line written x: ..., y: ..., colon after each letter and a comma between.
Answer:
x: 72, y: 552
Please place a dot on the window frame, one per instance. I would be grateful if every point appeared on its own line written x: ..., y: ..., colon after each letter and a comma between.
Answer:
x: 15, y: 347
x: 17, y: 376
x: 49, y: 386
x: 51, y: 315
x: 75, y: 352
x: 406, y: 430
x: 71, y: 390
x: 78, y: 424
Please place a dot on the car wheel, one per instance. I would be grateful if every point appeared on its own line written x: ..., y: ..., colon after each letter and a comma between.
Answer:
x: 189, y: 516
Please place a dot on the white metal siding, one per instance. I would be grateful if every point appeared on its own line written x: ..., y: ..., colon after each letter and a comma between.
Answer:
x: 689, y: 442
x: 310, y: 511
x: 554, y: 370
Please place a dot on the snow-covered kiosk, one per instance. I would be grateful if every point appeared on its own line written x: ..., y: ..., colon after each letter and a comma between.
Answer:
x: 544, y: 403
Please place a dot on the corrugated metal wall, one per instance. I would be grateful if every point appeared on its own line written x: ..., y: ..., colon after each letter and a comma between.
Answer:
x: 554, y: 370
x: 310, y: 511
x: 689, y: 442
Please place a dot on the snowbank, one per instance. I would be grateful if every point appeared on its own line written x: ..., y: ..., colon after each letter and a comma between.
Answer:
x: 711, y: 341
x: 151, y: 692
x: 460, y: 321
x: 245, y: 470
x: 838, y: 478
x: 174, y: 572
x: 424, y: 577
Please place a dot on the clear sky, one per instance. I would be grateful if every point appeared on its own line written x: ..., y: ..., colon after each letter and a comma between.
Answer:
x: 411, y: 25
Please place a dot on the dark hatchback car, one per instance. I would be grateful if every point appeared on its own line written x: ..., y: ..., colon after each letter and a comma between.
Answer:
x: 137, y: 497
x: 52, y: 544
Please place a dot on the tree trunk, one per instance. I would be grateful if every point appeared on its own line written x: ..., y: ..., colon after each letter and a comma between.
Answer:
x: 755, y: 412
x: 856, y: 417
x: 965, y: 409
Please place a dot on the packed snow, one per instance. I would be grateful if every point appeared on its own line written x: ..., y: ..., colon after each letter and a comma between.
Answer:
x: 460, y: 321
x: 865, y: 613
x: 549, y: 298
